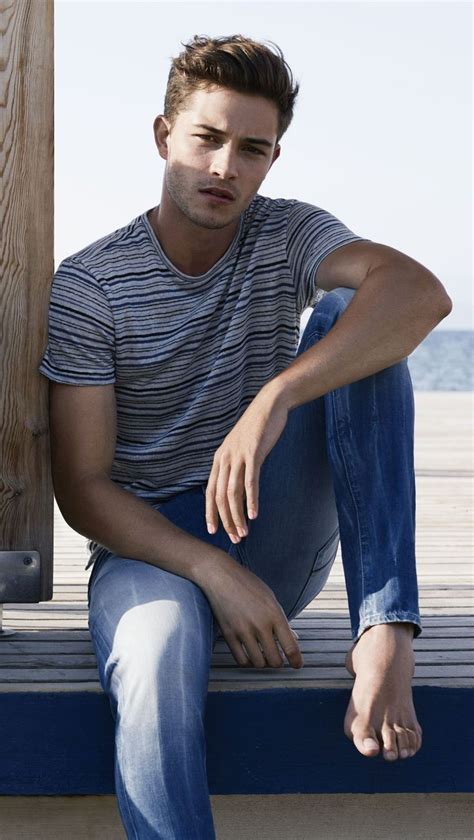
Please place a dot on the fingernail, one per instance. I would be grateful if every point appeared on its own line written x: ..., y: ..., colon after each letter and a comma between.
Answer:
x: 211, y: 528
x: 252, y: 514
x: 234, y: 538
x: 242, y: 532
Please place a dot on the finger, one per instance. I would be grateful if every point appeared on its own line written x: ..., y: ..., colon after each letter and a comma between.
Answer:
x: 252, y: 478
x: 280, y: 649
x: 272, y: 652
x: 212, y: 513
x: 289, y: 643
x: 235, y: 493
x: 254, y: 651
x: 238, y: 652
x: 222, y: 501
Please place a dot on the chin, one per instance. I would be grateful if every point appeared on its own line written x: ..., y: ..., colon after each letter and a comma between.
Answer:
x: 212, y: 222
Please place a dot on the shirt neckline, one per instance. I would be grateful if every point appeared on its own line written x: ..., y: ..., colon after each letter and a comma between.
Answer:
x: 191, y: 279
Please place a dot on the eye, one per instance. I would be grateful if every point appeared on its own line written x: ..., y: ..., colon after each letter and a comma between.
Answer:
x: 254, y: 149
x: 213, y: 137
x: 208, y: 137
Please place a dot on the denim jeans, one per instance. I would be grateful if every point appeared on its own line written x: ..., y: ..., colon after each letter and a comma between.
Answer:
x: 343, y: 468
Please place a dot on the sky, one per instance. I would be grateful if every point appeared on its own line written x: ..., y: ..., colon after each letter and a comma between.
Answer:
x: 381, y: 135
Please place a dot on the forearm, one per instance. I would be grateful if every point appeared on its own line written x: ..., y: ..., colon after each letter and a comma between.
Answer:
x: 113, y: 517
x: 390, y: 314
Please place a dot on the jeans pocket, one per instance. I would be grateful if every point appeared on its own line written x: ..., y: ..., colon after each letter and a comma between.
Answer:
x: 319, y: 574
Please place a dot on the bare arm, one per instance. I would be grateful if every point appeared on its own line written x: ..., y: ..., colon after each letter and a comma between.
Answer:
x: 83, y: 438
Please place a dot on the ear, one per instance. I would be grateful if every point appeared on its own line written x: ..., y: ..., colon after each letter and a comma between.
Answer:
x: 276, y: 154
x: 161, y: 130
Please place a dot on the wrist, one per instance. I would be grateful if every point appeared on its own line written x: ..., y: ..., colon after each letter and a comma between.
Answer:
x: 207, y: 566
x: 276, y: 391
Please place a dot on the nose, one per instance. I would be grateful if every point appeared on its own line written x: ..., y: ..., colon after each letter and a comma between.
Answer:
x: 224, y: 162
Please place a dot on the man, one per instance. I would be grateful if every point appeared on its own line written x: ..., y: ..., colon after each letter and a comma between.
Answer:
x: 179, y: 396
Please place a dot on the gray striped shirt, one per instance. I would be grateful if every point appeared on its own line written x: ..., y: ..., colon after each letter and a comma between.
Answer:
x: 186, y: 354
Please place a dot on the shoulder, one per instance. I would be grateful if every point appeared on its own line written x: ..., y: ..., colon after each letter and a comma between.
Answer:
x: 107, y: 251
x: 267, y: 215
x: 264, y: 209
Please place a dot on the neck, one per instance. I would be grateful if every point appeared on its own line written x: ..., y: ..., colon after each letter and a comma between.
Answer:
x: 191, y: 248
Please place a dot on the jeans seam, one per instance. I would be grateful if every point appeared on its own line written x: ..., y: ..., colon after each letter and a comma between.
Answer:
x: 105, y: 645
x: 314, y: 570
x: 338, y: 437
x: 132, y: 822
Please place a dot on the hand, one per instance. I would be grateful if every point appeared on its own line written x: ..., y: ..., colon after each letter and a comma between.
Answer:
x: 238, y: 461
x: 252, y: 621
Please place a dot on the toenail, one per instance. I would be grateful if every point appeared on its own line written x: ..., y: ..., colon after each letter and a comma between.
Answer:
x: 404, y: 753
x: 391, y: 754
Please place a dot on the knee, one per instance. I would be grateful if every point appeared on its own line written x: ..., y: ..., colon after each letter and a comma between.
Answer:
x: 339, y: 297
x: 155, y: 647
x: 326, y: 312
x: 334, y: 302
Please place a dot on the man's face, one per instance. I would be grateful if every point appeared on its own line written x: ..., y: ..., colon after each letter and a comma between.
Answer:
x: 213, y: 144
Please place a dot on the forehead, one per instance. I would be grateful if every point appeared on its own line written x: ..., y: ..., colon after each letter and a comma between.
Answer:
x: 232, y: 112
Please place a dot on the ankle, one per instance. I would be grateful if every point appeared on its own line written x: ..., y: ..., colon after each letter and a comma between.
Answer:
x: 391, y: 628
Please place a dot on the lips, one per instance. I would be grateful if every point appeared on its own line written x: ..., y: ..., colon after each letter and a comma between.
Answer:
x: 225, y: 194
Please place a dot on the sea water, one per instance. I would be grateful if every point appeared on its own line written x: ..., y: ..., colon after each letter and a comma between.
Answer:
x: 444, y: 361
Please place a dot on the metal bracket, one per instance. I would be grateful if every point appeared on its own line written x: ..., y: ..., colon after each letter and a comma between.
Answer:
x: 20, y: 575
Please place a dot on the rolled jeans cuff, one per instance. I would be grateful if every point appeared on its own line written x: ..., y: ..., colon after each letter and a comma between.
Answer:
x: 388, y: 618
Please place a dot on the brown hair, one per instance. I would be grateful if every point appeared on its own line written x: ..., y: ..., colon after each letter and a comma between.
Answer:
x: 233, y: 62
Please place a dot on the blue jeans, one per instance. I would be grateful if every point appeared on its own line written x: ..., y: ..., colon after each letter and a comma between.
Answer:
x: 342, y: 469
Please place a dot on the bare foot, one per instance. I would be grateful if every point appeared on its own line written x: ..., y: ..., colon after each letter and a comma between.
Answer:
x: 381, y: 711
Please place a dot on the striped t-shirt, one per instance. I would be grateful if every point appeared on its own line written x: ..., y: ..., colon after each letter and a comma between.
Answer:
x: 186, y: 354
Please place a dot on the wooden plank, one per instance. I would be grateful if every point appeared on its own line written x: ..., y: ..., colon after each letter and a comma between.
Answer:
x: 95, y: 687
x: 219, y: 660
x: 51, y: 675
x: 54, y: 640
x: 307, y: 643
x: 26, y: 492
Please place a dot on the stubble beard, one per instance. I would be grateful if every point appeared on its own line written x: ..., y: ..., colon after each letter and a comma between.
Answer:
x: 186, y: 198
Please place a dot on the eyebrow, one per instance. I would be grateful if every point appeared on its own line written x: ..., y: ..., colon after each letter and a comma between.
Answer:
x: 257, y: 140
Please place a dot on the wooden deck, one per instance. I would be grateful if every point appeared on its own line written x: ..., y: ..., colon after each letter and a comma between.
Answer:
x: 52, y: 650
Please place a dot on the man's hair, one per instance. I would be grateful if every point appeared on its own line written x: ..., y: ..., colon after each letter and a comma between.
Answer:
x: 233, y: 62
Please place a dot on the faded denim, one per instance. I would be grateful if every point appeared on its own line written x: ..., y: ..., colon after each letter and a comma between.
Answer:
x: 343, y: 468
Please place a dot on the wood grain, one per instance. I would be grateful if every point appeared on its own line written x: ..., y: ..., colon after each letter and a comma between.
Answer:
x: 27, y: 164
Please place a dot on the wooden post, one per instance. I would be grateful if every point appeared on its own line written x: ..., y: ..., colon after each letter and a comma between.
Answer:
x: 27, y: 165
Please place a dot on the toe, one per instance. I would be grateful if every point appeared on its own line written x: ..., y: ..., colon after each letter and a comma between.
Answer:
x: 366, y: 741
x: 390, y: 747
x: 419, y: 737
x: 403, y: 741
x: 414, y: 741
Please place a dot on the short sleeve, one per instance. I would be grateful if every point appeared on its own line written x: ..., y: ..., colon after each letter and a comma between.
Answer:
x: 81, y: 338
x: 312, y: 234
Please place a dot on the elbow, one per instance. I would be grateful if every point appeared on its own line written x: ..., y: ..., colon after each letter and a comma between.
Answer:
x: 439, y: 301
x: 444, y: 306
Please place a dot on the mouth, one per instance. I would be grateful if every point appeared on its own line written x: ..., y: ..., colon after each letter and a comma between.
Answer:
x: 217, y: 195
